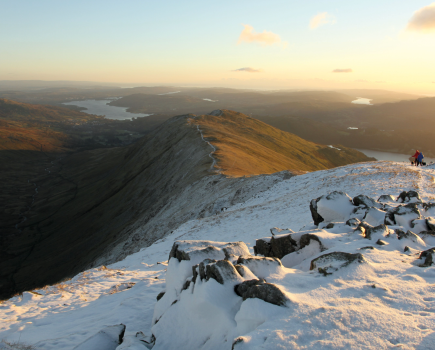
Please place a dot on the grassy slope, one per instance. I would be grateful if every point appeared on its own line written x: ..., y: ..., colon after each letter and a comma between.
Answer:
x: 247, y: 146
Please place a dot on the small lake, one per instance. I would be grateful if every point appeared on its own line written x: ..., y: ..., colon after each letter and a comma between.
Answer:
x: 395, y: 157
x: 362, y: 101
x: 101, y: 107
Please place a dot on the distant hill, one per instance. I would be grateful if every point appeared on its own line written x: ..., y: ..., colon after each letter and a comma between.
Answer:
x: 246, y: 146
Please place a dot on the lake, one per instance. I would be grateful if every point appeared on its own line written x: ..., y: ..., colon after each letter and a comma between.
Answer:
x: 395, y: 157
x: 362, y: 101
x: 101, y: 107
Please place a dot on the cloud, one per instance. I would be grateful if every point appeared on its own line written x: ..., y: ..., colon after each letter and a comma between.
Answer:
x: 423, y: 20
x: 345, y: 70
x: 266, y: 38
x: 247, y: 69
x: 321, y: 19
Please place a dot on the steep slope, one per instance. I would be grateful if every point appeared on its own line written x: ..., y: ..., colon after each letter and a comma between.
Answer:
x: 247, y: 146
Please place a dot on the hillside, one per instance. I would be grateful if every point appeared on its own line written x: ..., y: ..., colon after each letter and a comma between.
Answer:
x: 385, y: 300
x: 103, y: 204
x: 246, y: 146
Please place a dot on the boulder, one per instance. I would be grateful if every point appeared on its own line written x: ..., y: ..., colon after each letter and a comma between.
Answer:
x: 428, y: 257
x: 363, y: 227
x: 403, y: 215
x: 221, y: 271
x: 197, y: 251
x: 385, y: 198
x: 409, y: 197
x: 353, y: 222
x: 363, y: 200
x: 107, y: 339
x: 260, y: 267
x: 429, y: 209
x: 336, y: 206
x: 260, y: 289
x: 137, y: 342
x: 275, y: 246
x: 374, y: 216
x: 358, y: 213
x: 430, y: 222
x: 409, y: 235
x: 381, y: 242
x: 328, y: 263
x: 244, y: 271
x: 306, y: 240
x: 317, y: 218
x: 381, y: 230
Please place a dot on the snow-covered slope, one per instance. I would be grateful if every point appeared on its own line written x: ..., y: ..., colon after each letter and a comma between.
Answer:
x: 383, y: 300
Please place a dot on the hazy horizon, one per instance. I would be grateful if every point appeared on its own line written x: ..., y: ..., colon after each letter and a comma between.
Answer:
x: 281, y: 45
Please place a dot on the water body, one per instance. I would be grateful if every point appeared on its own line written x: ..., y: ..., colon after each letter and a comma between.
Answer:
x: 362, y: 101
x: 395, y: 157
x: 101, y: 107
x: 207, y: 99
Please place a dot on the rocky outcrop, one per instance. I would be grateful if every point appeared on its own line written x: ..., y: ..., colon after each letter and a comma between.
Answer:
x: 331, y: 262
x: 365, y: 201
x: 260, y: 289
x: 427, y: 257
x: 409, y: 197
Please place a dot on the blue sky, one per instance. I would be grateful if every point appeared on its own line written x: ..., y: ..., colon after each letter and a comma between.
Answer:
x: 196, y: 42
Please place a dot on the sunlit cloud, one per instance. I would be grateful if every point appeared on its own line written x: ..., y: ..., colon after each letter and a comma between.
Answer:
x: 265, y: 39
x: 340, y: 70
x: 322, y: 19
x: 248, y: 70
x: 423, y: 20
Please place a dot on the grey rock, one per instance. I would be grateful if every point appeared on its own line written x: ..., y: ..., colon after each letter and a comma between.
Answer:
x: 430, y: 222
x: 366, y: 201
x: 381, y: 242
x: 428, y: 257
x: 386, y: 198
x: 276, y: 247
x: 107, y: 339
x: 367, y: 247
x: 330, y: 225
x: 408, y: 196
x: 222, y: 271
x: 247, y: 260
x: 306, y: 240
x: 328, y: 263
x: 353, y: 222
x: 408, y: 235
x: 363, y: 227
x: 317, y: 218
x: 160, y: 295
x: 372, y: 230
x: 242, y: 270
x: 260, y: 289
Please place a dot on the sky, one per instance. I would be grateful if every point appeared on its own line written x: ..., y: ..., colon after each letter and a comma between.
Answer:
x: 278, y: 44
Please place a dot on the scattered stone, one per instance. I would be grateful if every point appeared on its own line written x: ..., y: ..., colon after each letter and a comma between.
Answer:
x: 428, y: 256
x: 367, y: 247
x: 260, y: 289
x: 410, y: 196
x: 385, y: 198
x: 366, y: 201
x: 353, y: 222
x: 121, y: 287
x: 160, y: 295
x: 331, y: 262
x: 430, y: 222
x: 381, y: 242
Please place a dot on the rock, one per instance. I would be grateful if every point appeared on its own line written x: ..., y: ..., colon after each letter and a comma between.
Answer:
x: 160, y: 295
x: 330, y: 225
x: 358, y: 213
x: 238, y: 340
x: 428, y: 257
x: 261, y: 267
x: 366, y: 201
x: 137, y: 342
x: 419, y: 225
x: 403, y: 215
x: 107, y: 339
x: 221, y: 271
x: 363, y: 227
x: 260, y: 289
x: 374, y: 216
x: 372, y: 231
x: 216, y: 113
x: 409, y: 197
x: 197, y: 251
x: 317, y: 218
x: 336, y: 206
x: 429, y: 209
x: 276, y: 246
x: 331, y: 262
x: 353, y: 222
x: 406, y: 249
x: 430, y: 222
x: 306, y: 240
x: 385, y: 198
x: 381, y: 242
x: 274, y: 231
x: 367, y: 247
x: 244, y: 271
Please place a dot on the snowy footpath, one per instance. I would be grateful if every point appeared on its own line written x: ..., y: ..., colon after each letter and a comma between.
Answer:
x: 360, y: 277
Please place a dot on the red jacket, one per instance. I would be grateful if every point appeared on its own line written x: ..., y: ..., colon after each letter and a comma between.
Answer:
x: 416, y: 154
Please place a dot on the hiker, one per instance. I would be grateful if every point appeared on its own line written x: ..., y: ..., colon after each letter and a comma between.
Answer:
x: 420, y: 159
x: 413, y: 159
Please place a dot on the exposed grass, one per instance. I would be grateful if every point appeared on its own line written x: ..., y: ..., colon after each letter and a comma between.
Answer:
x: 17, y: 345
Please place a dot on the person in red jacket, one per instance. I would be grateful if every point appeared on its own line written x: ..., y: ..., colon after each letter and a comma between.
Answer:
x: 415, y: 156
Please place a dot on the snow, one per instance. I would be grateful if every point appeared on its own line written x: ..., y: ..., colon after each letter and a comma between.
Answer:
x: 385, y: 302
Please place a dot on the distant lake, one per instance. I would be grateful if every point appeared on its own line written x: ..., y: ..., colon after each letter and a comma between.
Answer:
x: 362, y: 101
x: 101, y: 107
x: 395, y: 157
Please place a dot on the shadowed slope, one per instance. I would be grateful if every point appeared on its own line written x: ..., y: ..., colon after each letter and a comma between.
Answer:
x: 247, y: 146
